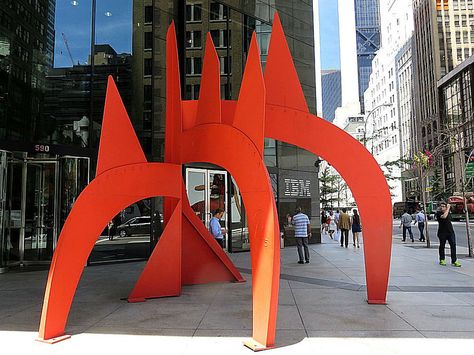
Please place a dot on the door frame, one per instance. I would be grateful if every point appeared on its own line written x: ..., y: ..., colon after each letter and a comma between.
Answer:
x: 207, y: 197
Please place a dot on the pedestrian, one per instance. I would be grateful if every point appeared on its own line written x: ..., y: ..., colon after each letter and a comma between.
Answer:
x: 302, y: 232
x: 405, y: 222
x: 338, y: 231
x: 446, y: 233
x: 215, y: 227
x: 332, y: 224
x: 323, y: 221
x: 344, y: 226
x: 110, y: 230
x: 356, y: 227
x: 420, y: 219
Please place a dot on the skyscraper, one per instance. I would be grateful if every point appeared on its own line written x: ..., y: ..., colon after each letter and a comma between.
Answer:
x: 331, y: 93
x: 359, y: 28
x: 26, y: 54
x: 367, y: 27
x: 382, y: 96
x: 442, y: 40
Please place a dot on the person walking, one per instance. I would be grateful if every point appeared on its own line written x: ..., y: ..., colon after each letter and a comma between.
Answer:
x: 323, y: 221
x: 420, y: 219
x: 336, y: 220
x: 405, y: 222
x: 446, y: 233
x: 215, y: 227
x: 332, y: 224
x: 344, y: 226
x: 302, y: 232
x: 356, y: 227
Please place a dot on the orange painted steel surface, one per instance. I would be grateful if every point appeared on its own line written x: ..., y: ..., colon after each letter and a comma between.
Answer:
x: 229, y: 134
x: 288, y: 120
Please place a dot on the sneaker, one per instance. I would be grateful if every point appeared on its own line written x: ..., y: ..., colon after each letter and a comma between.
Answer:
x: 307, y: 261
x: 300, y: 262
x: 442, y: 262
x: 456, y: 264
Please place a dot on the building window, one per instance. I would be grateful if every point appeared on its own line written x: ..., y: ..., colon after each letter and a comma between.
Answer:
x: 193, y: 39
x: 193, y: 66
x: 147, y: 96
x: 226, y: 93
x: 225, y: 64
x: 148, y: 40
x: 220, y: 38
x: 148, y: 14
x: 194, y: 13
x: 148, y: 66
x: 192, y: 92
x: 218, y: 12
x: 146, y: 120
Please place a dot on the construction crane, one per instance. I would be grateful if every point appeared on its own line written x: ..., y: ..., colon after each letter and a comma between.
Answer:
x: 67, y: 47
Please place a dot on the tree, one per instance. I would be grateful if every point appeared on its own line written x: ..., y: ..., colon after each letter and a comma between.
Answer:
x: 327, y: 181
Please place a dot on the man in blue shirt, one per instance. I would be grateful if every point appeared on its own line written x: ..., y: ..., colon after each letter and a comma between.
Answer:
x: 215, y: 227
x: 302, y: 232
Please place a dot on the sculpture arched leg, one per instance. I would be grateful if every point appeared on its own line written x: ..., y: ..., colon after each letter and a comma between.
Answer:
x: 361, y: 173
x: 100, y: 201
x: 161, y: 276
x: 254, y: 184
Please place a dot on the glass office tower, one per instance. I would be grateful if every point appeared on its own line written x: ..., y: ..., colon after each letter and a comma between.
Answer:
x: 55, y: 58
x: 367, y: 15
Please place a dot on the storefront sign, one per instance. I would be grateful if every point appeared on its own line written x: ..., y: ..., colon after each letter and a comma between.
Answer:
x: 297, y: 188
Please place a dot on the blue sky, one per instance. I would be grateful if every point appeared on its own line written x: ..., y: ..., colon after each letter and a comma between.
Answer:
x: 329, y: 33
x: 74, y: 22
x: 116, y: 30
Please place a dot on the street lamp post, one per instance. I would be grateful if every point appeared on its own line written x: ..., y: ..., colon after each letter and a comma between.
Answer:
x: 386, y: 104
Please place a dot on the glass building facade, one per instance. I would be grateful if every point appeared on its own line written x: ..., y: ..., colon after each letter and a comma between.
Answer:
x: 332, y: 94
x: 456, y: 103
x: 367, y: 19
x: 55, y: 57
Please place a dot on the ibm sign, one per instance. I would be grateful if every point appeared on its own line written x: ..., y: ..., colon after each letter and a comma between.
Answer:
x: 297, y: 188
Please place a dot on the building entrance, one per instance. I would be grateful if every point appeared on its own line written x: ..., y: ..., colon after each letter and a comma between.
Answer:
x: 207, y: 191
x: 34, y: 195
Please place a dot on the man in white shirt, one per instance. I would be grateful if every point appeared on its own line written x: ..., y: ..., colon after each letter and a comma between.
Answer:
x: 420, y: 219
x: 405, y: 222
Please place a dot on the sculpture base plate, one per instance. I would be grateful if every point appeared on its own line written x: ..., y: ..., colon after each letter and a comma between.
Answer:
x: 256, y: 346
x: 376, y: 301
x: 54, y: 340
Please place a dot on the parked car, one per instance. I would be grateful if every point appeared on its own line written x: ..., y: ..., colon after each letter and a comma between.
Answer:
x: 134, y: 226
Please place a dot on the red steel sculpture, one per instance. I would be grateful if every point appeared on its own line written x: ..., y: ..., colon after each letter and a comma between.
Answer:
x: 271, y: 106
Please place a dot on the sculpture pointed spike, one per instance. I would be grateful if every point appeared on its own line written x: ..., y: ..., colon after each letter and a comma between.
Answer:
x: 119, y: 144
x: 281, y: 79
x: 209, y: 106
x: 173, y: 98
x: 250, y: 111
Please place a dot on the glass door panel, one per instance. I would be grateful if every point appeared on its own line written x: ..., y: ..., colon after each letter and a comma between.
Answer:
x: 13, y: 212
x: 74, y: 178
x: 196, y: 188
x: 40, y: 214
x: 217, y: 196
x: 239, y: 232
x: 3, y: 199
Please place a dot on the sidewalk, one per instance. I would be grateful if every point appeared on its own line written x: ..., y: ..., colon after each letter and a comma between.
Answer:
x: 322, y: 309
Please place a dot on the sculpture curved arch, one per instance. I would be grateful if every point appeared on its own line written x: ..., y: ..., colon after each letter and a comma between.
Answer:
x: 111, y: 193
x: 361, y: 173
x: 257, y: 195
